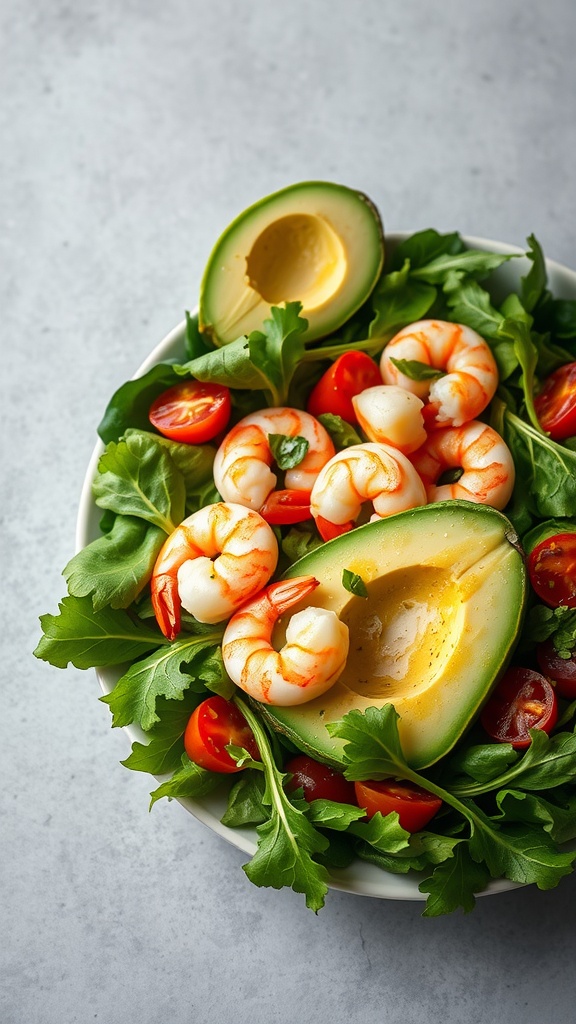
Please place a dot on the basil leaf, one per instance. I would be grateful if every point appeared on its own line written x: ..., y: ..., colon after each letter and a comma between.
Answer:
x: 288, y: 451
x: 354, y: 583
x: 416, y: 370
x: 341, y: 433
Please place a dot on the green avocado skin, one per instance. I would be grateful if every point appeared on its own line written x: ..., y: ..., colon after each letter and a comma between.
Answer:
x: 447, y: 591
x: 229, y: 307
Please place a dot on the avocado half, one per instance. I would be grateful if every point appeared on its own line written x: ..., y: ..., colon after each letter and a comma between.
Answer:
x: 314, y: 242
x: 446, y: 592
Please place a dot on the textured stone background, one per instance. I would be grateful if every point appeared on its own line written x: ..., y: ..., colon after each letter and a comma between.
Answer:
x: 131, y: 134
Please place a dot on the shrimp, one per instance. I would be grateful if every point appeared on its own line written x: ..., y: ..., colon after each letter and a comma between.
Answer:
x: 214, y: 560
x: 242, y: 465
x: 471, y: 376
x: 373, y: 472
x: 477, y: 449
x: 391, y: 414
x: 307, y: 665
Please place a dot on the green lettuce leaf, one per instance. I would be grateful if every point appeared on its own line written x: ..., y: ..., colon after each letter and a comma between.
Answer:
x: 138, y: 477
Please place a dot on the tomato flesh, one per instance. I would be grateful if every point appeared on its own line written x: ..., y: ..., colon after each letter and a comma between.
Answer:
x: 556, y: 403
x: 191, y: 412
x: 286, y: 506
x: 552, y: 570
x: 561, y: 671
x: 213, y: 725
x: 318, y: 781
x: 350, y: 374
x: 415, y: 806
x: 523, y: 700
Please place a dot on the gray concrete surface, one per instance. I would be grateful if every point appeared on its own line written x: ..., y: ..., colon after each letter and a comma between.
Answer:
x: 131, y: 134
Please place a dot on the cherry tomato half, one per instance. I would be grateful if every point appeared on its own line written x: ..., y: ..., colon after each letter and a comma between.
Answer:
x: 191, y: 412
x: 350, y: 374
x: 287, y: 506
x: 211, y: 727
x: 523, y: 700
x: 414, y: 805
x: 552, y: 570
x: 561, y: 671
x: 318, y: 781
x: 556, y: 403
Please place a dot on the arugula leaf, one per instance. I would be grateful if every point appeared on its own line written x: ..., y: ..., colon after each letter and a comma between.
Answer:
x: 533, y: 285
x: 114, y: 568
x: 543, y: 623
x: 264, y: 361
x: 396, y: 300
x: 288, y: 451
x: 163, y: 751
x: 526, y: 353
x: 548, y: 762
x: 287, y: 841
x: 332, y: 814
x: 519, y: 852
x: 546, y: 470
x: 383, y: 832
x: 423, y: 247
x: 470, y: 262
x: 373, y: 749
x: 246, y: 801
x: 354, y: 583
x: 470, y: 304
x: 138, y: 477
x: 197, y: 344
x: 86, y: 638
x: 453, y: 884
x: 557, y: 819
x: 484, y: 762
x: 161, y: 674
x: 189, y: 781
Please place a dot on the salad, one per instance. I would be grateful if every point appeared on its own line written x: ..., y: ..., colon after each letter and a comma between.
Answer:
x: 496, y: 798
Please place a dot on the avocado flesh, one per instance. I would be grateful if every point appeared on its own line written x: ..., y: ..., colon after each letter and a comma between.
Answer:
x: 446, y: 593
x: 315, y: 242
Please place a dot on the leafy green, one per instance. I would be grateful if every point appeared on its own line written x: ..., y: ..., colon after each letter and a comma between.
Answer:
x: 288, y: 451
x: 114, y: 568
x: 86, y: 638
x: 543, y: 623
x: 287, y: 841
x: 472, y: 263
x: 341, y: 432
x: 546, y: 470
x: 162, y: 674
x: 130, y: 404
x: 138, y: 477
x: 246, y: 801
x: 453, y: 884
x: 397, y: 300
x: 162, y: 753
x: 416, y: 370
x: 354, y: 583
x: 264, y: 361
x: 195, y: 462
x: 423, y: 247
x: 189, y: 781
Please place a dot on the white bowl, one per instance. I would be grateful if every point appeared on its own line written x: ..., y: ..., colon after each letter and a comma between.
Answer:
x: 360, y: 878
